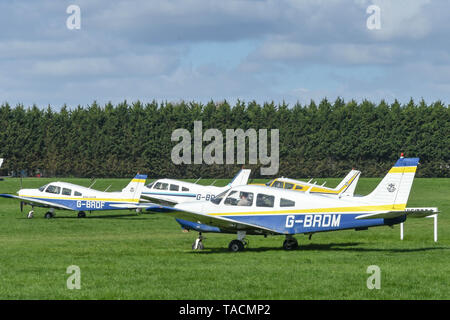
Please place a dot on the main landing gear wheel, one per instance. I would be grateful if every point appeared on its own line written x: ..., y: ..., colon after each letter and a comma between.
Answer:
x: 290, y: 244
x: 198, y: 244
x: 81, y: 214
x: 236, y: 245
x: 49, y: 215
x: 30, y: 214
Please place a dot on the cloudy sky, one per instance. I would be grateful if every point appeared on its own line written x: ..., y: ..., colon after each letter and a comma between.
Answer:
x: 263, y: 50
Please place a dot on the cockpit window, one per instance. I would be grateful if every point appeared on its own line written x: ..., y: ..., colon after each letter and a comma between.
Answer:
x: 270, y: 182
x: 278, y: 184
x: 288, y: 185
x: 239, y: 198
x: 264, y: 200
x: 53, y: 189
x: 174, y: 187
x: 161, y: 186
x: 286, y: 203
x: 41, y: 189
x: 150, y: 185
x: 77, y: 194
x: 184, y: 189
x: 219, y: 197
x: 297, y: 187
x: 66, y: 192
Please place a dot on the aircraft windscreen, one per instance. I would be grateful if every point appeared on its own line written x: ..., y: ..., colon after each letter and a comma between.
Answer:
x: 41, y: 189
x: 270, y: 182
x: 219, y: 197
x: 150, y: 185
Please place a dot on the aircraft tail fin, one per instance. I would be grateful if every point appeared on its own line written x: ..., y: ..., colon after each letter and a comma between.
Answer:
x: 241, y: 178
x: 1, y: 162
x: 135, y: 187
x: 349, y: 183
x: 396, y: 185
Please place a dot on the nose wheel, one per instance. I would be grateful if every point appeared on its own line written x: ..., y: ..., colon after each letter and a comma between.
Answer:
x: 198, y: 244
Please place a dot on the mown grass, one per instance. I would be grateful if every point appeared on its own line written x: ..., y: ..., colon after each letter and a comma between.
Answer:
x: 125, y: 256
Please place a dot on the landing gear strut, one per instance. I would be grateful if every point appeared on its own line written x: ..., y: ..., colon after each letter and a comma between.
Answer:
x: 290, y: 243
x: 239, y: 244
x: 198, y: 244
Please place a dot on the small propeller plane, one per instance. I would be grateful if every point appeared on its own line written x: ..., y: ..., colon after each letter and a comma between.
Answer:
x: 345, y: 188
x: 171, y: 191
x: 67, y: 196
x: 262, y: 210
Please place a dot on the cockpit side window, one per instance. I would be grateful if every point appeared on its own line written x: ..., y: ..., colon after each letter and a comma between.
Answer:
x: 265, y: 200
x: 77, y: 194
x: 270, y: 182
x: 53, y: 189
x: 150, y: 185
x: 66, y: 192
x: 297, y: 187
x: 184, y: 189
x: 174, y: 187
x: 286, y: 203
x: 239, y: 198
x: 161, y: 186
x: 288, y: 185
x: 278, y: 184
x: 41, y: 189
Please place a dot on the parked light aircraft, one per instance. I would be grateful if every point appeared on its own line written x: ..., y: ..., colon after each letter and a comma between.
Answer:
x: 175, y: 191
x: 345, y: 188
x: 262, y: 210
x: 67, y: 196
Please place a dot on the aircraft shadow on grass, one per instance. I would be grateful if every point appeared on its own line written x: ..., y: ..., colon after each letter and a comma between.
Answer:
x: 345, y: 246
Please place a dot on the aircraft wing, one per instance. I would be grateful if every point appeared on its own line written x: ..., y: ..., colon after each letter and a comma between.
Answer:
x: 36, y: 202
x: 410, y: 212
x: 216, y: 221
x: 134, y: 205
x: 163, y: 199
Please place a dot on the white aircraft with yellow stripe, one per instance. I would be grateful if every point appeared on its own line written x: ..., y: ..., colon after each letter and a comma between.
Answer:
x: 262, y: 210
x: 345, y: 188
x: 67, y: 196
x: 170, y: 191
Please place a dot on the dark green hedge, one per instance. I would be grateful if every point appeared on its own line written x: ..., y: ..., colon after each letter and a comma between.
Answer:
x: 324, y: 140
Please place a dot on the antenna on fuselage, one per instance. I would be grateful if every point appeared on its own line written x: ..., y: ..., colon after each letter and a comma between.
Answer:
x: 197, y: 180
x: 213, y: 182
x: 108, y: 188
x: 92, y: 184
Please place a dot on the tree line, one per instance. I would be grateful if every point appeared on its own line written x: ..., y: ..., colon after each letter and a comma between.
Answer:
x: 315, y: 140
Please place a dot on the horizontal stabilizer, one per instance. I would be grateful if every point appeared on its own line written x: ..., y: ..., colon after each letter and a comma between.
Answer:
x: 410, y: 212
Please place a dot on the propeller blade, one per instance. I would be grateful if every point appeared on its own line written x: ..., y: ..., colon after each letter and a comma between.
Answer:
x: 21, y: 206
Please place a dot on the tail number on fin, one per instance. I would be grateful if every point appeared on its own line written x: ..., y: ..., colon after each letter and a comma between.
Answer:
x: 314, y: 220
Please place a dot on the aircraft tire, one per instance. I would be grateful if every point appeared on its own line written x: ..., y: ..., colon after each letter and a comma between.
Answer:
x: 81, y: 214
x: 48, y: 215
x: 235, y: 246
x: 290, y: 244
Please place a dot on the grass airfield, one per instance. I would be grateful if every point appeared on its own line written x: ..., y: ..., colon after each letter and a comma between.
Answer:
x: 125, y: 256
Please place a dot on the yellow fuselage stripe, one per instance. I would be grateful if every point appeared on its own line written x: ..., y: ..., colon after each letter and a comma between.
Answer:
x: 362, y: 209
